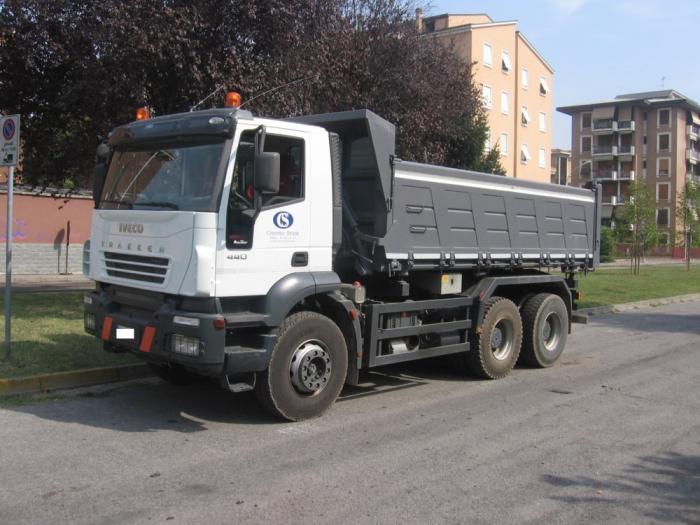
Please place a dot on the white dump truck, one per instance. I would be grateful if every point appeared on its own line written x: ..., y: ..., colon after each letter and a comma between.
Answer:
x: 286, y: 256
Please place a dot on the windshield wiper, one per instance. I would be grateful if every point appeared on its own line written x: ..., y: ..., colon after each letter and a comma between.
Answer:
x: 126, y: 204
x: 170, y: 205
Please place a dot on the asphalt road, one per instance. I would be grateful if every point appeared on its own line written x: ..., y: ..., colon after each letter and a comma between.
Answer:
x: 609, y: 435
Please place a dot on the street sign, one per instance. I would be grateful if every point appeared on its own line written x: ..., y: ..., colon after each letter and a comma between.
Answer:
x: 9, y: 140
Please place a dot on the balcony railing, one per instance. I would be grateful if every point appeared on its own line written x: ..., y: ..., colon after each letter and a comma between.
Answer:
x: 627, y: 175
x: 692, y: 155
x: 625, y: 150
x: 693, y: 131
x: 607, y: 149
x: 606, y: 175
x: 625, y: 126
x: 604, y: 125
x: 612, y: 199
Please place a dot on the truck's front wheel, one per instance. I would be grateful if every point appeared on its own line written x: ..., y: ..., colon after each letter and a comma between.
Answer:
x: 307, y: 368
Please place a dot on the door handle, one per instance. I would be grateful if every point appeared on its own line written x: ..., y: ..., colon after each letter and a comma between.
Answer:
x: 300, y: 259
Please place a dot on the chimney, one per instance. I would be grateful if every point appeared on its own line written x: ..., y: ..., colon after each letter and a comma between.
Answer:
x: 419, y: 20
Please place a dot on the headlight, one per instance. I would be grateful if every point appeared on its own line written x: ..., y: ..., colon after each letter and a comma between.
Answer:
x: 182, y: 344
x: 89, y: 321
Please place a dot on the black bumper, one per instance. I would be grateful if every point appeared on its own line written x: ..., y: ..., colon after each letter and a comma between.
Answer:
x: 154, y: 327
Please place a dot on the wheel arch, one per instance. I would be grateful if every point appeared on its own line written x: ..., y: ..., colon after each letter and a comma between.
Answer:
x: 519, y: 289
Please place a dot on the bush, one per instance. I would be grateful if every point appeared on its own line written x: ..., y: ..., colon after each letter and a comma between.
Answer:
x: 607, y: 244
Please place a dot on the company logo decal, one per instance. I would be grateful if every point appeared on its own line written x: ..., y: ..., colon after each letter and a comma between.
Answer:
x: 130, y: 228
x: 283, y: 219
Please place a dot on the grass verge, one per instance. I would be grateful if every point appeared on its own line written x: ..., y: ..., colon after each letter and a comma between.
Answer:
x: 48, y: 336
x: 615, y: 286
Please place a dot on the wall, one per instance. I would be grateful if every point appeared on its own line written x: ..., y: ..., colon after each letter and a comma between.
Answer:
x: 40, y: 229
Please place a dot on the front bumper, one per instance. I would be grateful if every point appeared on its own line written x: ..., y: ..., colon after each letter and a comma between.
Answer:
x: 148, y: 333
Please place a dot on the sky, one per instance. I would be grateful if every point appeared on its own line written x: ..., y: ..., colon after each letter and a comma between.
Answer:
x: 602, y: 48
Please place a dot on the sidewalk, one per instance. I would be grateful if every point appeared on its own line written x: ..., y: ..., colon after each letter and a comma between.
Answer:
x: 48, y: 283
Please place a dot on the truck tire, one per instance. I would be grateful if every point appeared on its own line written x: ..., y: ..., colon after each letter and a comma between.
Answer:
x: 176, y: 374
x: 307, y: 368
x: 497, y: 346
x: 545, y: 329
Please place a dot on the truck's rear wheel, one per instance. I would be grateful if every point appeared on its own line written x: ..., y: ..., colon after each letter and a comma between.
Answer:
x: 545, y: 329
x: 307, y: 368
x: 176, y: 374
x: 497, y: 346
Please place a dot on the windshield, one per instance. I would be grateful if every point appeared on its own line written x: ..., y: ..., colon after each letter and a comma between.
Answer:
x: 165, y: 177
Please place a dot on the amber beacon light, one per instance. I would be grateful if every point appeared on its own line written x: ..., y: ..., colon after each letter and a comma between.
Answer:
x: 143, y: 113
x: 233, y: 99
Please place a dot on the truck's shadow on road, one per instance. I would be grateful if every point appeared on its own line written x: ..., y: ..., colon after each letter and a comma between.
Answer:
x: 660, y: 488
x: 650, y: 321
x: 155, y: 405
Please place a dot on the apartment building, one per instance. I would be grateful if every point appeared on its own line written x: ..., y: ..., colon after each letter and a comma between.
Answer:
x: 516, y: 84
x: 561, y: 167
x: 652, y: 136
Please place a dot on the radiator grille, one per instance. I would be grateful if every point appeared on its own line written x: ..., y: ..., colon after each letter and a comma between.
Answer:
x: 136, y: 267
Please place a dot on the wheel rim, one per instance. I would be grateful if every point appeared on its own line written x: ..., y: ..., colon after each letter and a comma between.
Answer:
x: 502, y: 339
x: 310, y: 368
x: 551, y: 331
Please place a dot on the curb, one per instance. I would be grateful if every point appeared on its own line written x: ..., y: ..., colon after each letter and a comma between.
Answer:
x: 73, y: 379
x: 626, y: 307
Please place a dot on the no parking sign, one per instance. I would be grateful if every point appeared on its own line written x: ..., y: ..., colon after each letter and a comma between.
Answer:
x: 9, y: 140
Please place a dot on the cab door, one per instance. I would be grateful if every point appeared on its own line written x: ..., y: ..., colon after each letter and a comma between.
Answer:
x: 259, y: 247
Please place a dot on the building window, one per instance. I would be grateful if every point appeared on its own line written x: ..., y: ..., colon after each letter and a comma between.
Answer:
x: 487, y: 143
x: 663, y: 191
x: 585, y: 121
x: 663, y: 167
x: 586, y: 168
x: 543, y: 122
x: 488, y: 55
x: 662, y: 217
x: 586, y: 144
x: 664, y: 117
x: 525, y: 117
x: 544, y: 87
x: 503, y: 144
x: 524, y: 154
x: 505, y: 62
x: 664, y: 142
x: 663, y: 238
x: 504, y: 103
x: 486, y: 93
x: 542, y: 158
x: 524, y: 78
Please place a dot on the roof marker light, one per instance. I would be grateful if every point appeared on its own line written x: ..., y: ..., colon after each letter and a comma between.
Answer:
x: 233, y: 100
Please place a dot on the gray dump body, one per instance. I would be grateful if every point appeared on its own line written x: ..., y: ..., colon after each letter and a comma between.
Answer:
x: 420, y: 216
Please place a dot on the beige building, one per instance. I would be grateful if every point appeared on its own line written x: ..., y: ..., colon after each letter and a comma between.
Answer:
x: 561, y: 167
x: 516, y: 83
x: 652, y: 136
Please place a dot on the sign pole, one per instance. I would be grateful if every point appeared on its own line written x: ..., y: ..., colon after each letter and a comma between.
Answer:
x: 8, y: 265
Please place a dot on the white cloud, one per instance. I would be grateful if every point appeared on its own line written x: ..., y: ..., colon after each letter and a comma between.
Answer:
x: 567, y: 6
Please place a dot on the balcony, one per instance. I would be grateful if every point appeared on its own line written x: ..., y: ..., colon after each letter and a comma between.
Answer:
x: 625, y: 126
x: 603, y: 151
x: 604, y: 126
x: 692, y: 156
x: 612, y: 199
x: 692, y: 131
x: 625, y: 150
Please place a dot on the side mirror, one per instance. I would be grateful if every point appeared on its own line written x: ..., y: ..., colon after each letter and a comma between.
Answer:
x: 267, y: 172
x: 100, y: 171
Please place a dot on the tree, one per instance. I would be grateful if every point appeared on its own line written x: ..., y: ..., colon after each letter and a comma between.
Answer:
x: 77, y: 68
x: 639, y: 213
x: 688, y: 217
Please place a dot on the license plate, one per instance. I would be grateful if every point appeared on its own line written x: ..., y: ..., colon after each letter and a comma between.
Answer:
x: 125, y: 333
